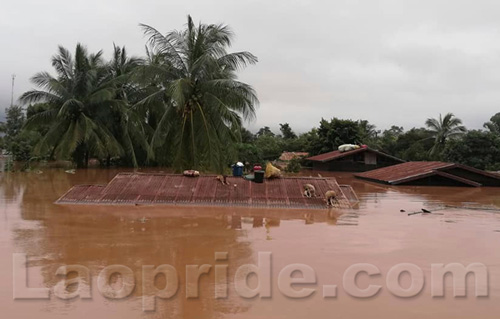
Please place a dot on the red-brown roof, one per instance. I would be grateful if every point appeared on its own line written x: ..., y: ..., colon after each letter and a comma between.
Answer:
x: 169, y: 189
x: 411, y: 171
x: 288, y: 156
x: 330, y: 156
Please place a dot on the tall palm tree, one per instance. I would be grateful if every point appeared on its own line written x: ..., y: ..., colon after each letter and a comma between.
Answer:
x: 443, y: 129
x: 494, y: 124
x: 193, y: 78
x: 128, y: 124
x: 367, y: 131
x: 80, y: 98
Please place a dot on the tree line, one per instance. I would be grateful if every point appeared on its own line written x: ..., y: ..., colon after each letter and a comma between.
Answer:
x: 182, y: 106
x: 441, y: 139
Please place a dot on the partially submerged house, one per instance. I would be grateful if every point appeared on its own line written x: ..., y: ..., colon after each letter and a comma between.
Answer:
x: 172, y: 189
x: 359, y: 160
x: 431, y: 174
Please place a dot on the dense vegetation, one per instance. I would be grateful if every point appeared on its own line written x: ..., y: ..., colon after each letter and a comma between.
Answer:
x: 182, y: 106
x: 443, y: 139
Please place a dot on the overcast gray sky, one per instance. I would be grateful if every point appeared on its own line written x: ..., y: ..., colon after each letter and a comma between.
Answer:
x: 387, y: 61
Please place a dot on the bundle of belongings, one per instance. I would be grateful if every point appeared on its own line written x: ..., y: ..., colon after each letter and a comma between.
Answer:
x: 348, y: 147
x: 272, y: 172
x: 191, y: 173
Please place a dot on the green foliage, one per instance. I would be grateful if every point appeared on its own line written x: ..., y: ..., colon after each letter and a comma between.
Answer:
x: 286, y: 132
x: 412, y: 145
x: 15, y: 121
x: 246, y: 135
x: 264, y: 131
x: 270, y: 147
x: 35, y: 109
x: 494, y: 124
x: 200, y: 104
x: 442, y: 130
x: 478, y: 149
x: 17, y: 142
x: 249, y: 153
x: 21, y: 145
x: 181, y: 105
x: 388, y: 141
x: 294, y: 165
x: 333, y: 133
x: 80, y: 99
x: 367, y: 132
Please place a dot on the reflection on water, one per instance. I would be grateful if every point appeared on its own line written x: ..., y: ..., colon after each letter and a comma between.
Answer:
x: 329, y: 241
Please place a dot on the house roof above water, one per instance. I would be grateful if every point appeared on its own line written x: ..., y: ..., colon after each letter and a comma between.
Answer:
x: 170, y: 189
x: 435, y: 173
x: 334, y: 155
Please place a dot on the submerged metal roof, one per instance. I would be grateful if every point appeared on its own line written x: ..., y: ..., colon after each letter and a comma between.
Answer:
x: 330, y: 156
x: 412, y: 171
x: 169, y: 189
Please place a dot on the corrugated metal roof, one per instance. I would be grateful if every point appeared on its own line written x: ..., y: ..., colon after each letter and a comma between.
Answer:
x: 411, y: 171
x: 403, y: 171
x: 151, y: 188
x: 349, y: 193
x: 330, y: 156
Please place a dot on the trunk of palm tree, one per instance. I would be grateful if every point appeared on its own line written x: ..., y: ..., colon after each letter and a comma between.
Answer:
x: 86, y: 159
x: 79, y: 157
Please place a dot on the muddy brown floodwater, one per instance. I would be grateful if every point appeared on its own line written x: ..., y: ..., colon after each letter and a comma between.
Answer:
x: 328, y: 241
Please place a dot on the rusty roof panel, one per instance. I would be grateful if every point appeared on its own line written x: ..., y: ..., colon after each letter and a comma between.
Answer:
x: 222, y: 193
x: 130, y: 192
x: 186, y: 190
x: 349, y: 193
x: 205, y: 190
x: 77, y: 193
x: 402, y: 172
x: 93, y: 193
x: 169, y: 189
x: 414, y: 171
x: 334, y: 155
x: 276, y: 193
x: 240, y: 193
x: 137, y: 188
x: 150, y: 191
x: 117, y: 184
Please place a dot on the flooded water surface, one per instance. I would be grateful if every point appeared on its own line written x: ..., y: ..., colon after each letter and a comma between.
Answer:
x: 329, y: 242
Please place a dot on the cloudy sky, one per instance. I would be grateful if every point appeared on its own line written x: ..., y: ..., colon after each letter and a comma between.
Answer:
x: 387, y: 61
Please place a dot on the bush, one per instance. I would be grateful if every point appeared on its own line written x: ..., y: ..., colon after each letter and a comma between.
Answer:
x: 294, y: 165
x: 478, y: 149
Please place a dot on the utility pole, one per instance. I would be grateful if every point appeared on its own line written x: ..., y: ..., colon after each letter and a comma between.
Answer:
x: 12, y: 95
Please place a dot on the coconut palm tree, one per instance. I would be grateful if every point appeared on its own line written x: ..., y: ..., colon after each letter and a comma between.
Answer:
x: 494, y: 124
x: 367, y: 131
x: 443, y: 129
x: 193, y: 78
x: 80, y: 98
x: 127, y: 123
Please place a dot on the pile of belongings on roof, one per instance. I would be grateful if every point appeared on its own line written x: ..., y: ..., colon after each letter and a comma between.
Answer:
x: 348, y: 147
x: 272, y: 172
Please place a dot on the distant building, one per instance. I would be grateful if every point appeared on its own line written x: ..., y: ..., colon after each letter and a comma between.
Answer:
x: 288, y: 156
x: 431, y: 174
x: 359, y: 160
